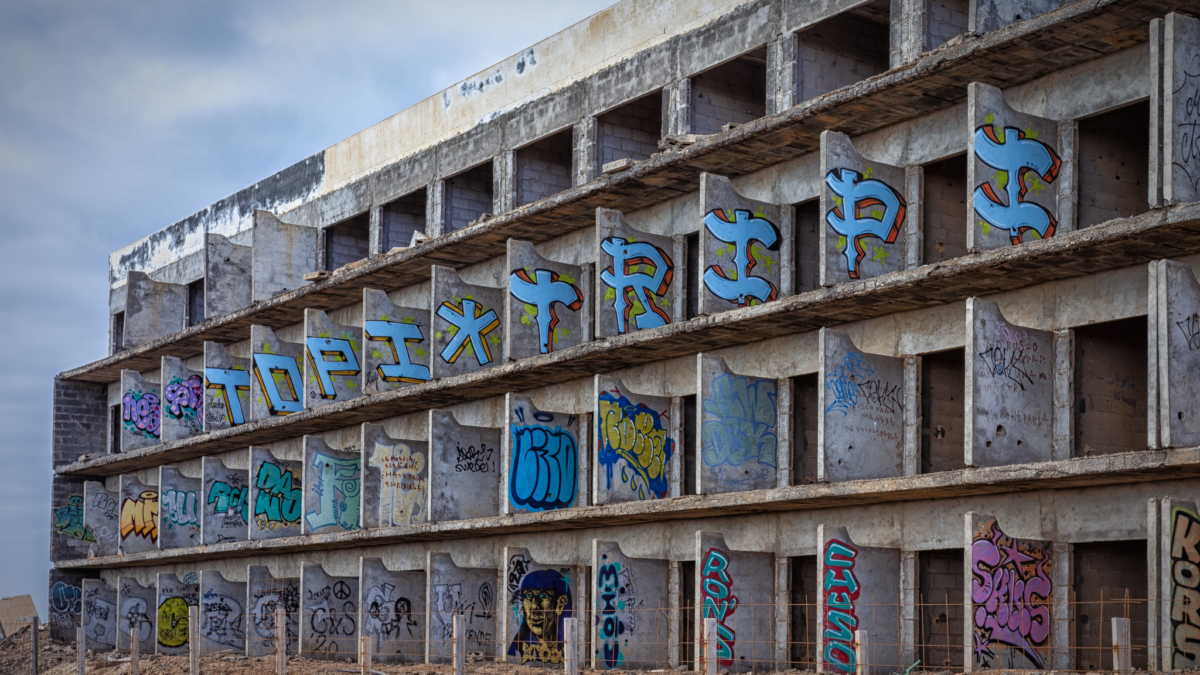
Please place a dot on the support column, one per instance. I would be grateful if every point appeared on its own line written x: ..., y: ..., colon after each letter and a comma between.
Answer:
x: 912, y: 415
x: 1060, y: 634
x: 787, y: 250
x: 677, y: 108
x: 375, y: 238
x: 909, y: 612
x: 782, y: 73
x: 1064, y: 395
x: 675, y: 576
x: 504, y: 182
x: 1068, y: 174
x: 435, y: 209
x: 586, y: 140
x: 783, y: 614
x: 914, y: 188
x: 785, y: 411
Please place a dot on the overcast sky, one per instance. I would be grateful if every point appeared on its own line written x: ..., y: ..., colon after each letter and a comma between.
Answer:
x: 119, y: 118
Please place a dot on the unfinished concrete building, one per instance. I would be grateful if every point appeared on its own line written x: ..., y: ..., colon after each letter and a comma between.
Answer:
x: 843, y: 323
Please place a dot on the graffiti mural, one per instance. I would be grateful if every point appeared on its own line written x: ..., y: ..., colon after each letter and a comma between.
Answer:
x: 637, y: 283
x: 840, y: 588
x: 470, y: 330
x: 541, y: 291
x: 278, y: 378
x: 1010, y: 598
x: 180, y: 508
x: 265, y: 594
x: 230, y: 501
x: 185, y: 399
x: 141, y: 413
x: 393, y: 609
x: 1185, y: 588
x: 278, y: 500
x: 396, y: 338
x: 750, y: 236
x: 68, y: 520
x: 740, y: 420
x: 332, y: 618
x: 221, y: 620
x: 336, y: 483
x: 402, y: 483
x: 331, y: 357
x: 1022, y: 162
x: 173, y: 620
x: 66, y: 606
x: 632, y: 444
x: 544, y: 466
x: 864, y: 208
x: 99, y: 617
x: 232, y: 389
x: 540, y: 602
x: 135, y: 615
x: 139, y: 516
x: 620, y: 610
x: 719, y: 602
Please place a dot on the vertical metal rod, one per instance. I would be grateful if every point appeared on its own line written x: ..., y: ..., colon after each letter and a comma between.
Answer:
x: 460, y: 644
x: 135, y: 647
x: 34, y: 645
x: 948, y: 652
x: 708, y: 647
x: 80, y: 651
x: 1122, y: 659
x: 280, y: 640
x: 1100, y: 635
x: 571, y: 646
x: 194, y: 639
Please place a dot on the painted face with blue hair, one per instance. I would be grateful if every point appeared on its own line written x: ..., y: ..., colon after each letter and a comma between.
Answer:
x: 545, y: 600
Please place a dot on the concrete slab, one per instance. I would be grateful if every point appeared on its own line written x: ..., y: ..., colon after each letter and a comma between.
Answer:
x: 222, y: 614
x: 329, y: 615
x: 546, y: 304
x: 101, y: 517
x: 636, y: 287
x: 1000, y: 567
x: 281, y: 256
x: 136, y: 615
x: 468, y: 329
x: 391, y: 609
x: 452, y: 590
x: 66, y: 603
x: 69, y: 535
x: 277, y: 388
x: 263, y: 594
x: 1009, y: 395
x: 537, y: 598
x: 397, y: 346
x: 139, y: 516
x: 174, y: 599
x: 1173, y: 557
x: 1181, y: 90
x: 179, y: 499
x: 276, y: 495
x: 740, y: 242
x: 141, y: 412
x: 635, y: 445
x: 152, y: 309
x: 860, y: 420
x: 632, y: 610
x: 332, y: 488
x: 464, y: 469
x: 225, y: 509
x: 865, y: 212
x: 395, y: 479
x: 1013, y: 164
x: 228, y: 275
x: 860, y: 591
x: 738, y: 426
x: 333, y: 362
x: 736, y: 588
x: 226, y: 388
x: 541, y: 458
x: 1175, y: 328
x: 99, y: 615
x: 182, y: 400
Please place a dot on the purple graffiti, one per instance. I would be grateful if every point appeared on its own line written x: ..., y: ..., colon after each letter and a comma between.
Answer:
x: 1010, y: 596
x: 185, y: 394
x: 142, y: 411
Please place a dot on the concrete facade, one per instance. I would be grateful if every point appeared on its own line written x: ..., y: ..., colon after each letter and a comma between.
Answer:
x: 1019, y: 343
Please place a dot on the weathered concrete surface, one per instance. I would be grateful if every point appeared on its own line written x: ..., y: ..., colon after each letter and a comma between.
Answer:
x: 858, y: 589
x: 332, y: 488
x: 452, y: 590
x: 332, y: 603
x: 742, y: 247
x: 222, y: 614
x: 464, y: 469
x: 990, y: 15
x: 737, y: 427
x: 264, y: 593
x: 152, y: 309
x: 139, y: 516
x: 277, y: 387
x: 535, y: 599
x: 738, y: 589
x: 548, y: 303
x: 636, y: 288
x: 637, y: 445
x: 391, y: 608
x: 136, y: 612
x: 1175, y: 338
x: 865, y: 212
x: 333, y: 365
x: 226, y: 388
x: 1181, y: 90
x: 99, y: 616
x: 173, y: 600
x: 630, y: 630
x: 398, y: 343
x: 1013, y: 166
x: 395, y: 479
x: 276, y: 495
x: 225, y: 506
x: 282, y: 255
x: 179, y: 504
x: 468, y: 331
x: 228, y: 275
x: 1009, y: 394
x: 101, y: 515
x: 860, y: 416
x: 182, y: 403
x: 1171, y: 536
x: 543, y: 459
x: 141, y: 412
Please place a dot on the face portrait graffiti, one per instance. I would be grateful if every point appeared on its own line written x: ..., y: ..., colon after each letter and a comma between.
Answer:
x: 544, y: 600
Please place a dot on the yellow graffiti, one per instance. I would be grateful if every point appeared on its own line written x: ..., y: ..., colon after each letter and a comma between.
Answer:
x: 140, y: 516
x: 173, y: 623
x: 403, y: 493
x: 635, y: 439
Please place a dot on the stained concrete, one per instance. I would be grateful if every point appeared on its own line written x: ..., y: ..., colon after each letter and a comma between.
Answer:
x: 139, y: 509
x: 182, y: 400
x: 1009, y: 395
x: 742, y: 248
x: 1171, y: 537
x: 329, y: 615
x: 637, y: 444
x: 332, y: 488
x: 859, y: 590
x: 397, y: 343
x: 276, y: 495
x: 152, y: 309
x: 179, y: 504
x: 101, y: 515
x: 479, y: 343
x: 391, y: 608
x: 544, y: 457
x: 277, y: 387
x: 547, y: 305
x: 1181, y: 91
x: 228, y: 275
x: 222, y: 614
x: 282, y: 255
x: 536, y: 598
x: 452, y: 590
x: 631, y: 609
x: 636, y: 287
x: 225, y: 506
x: 738, y: 429
x: 1175, y: 336
x: 174, y: 597
x: 395, y: 479
x: 99, y: 615
x: 136, y: 615
x: 861, y: 413
x: 226, y: 388
x: 333, y: 361
x: 738, y: 589
x: 464, y: 469
x: 990, y: 15
x: 141, y: 411
x: 264, y: 593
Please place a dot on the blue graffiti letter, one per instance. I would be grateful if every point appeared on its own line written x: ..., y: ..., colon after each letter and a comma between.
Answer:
x: 543, y: 291
x: 740, y: 286
x: 229, y: 384
x: 623, y: 278
x: 544, y: 468
x: 331, y: 356
x: 863, y: 195
x: 1014, y: 156
x: 271, y: 365
x: 471, y: 323
x: 744, y: 427
x: 396, y: 337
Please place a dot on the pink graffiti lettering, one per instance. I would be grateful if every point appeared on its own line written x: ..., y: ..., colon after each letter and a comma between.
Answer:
x: 1010, y: 596
x: 142, y: 411
x: 185, y: 394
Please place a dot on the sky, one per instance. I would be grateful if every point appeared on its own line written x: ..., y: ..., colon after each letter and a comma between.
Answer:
x: 120, y: 118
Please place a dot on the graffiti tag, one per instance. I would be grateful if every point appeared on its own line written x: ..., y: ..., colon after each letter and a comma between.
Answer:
x: 744, y: 428
x: 402, y: 495
x: 864, y: 208
x: 542, y: 292
x: 469, y: 327
x: 1015, y: 156
x: 231, y: 385
x: 636, y: 436
x: 139, y: 516
x: 742, y: 229
x: 396, y: 337
x: 544, y: 472
x: 1185, y: 589
x: 141, y: 413
x: 1010, y: 596
x: 716, y: 590
x: 277, y: 503
x: 336, y: 483
x: 635, y: 291
x: 474, y: 460
x: 841, y: 590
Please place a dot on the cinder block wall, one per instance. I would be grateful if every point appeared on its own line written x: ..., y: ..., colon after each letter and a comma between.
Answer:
x: 804, y: 429
x: 544, y: 168
x: 803, y: 648
x: 1114, y: 164
x: 941, y: 598
x: 733, y: 92
x: 631, y: 131
x: 840, y: 51
x: 942, y: 415
x: 944, y: 209
x: 946, y: 20
x: 808, y: 245
x: 1110, y: 387
x: 1104, y: 573
x: 347, y: 242
x: 401, y: 218
x: 469, y: 195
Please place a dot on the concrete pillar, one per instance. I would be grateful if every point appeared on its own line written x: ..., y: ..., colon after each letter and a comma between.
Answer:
x: 677, y: 108
x: 1158, y: 172
x: 782, y: 72
x: 585, y: 138
x: 783, y: 614
x: 914, y: 187
x: 912, y: 415
x: 1063, y: 574
x: 435, y: 209
x: 909, y: 33
x: 674, y: 616
x: 785, y: 412
x: 505, y: 182
x: 787, y: 250
x: 910, y: 588
x: 375, y: 237
x: 1064, y: 395
x: 1154, y: 568
x: 1068, y: 175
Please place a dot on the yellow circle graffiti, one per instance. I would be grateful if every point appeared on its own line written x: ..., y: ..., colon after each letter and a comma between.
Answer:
x: 173, y: 623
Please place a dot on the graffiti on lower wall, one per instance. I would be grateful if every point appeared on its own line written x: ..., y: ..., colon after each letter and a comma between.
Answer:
x: 750, y: 237
x: 620, y: 608
x: 232, y: 386
x: 389, y: 617
x: 1185, y: 588
x: 333, y: 619
x: 1022, y: 163
x: 68, y: 520
x: 280, y: 380
x: 396, y: 337
x: 173, y: 621
x: 471, y: 330
x: 719, y: 602
x: 402, y: 484
x: 66, y: 606
x: 740, y: 422
x: 222, y: 620
x: 637, y: 283
x: 185, y: 401
x: 141, y: 413
x: 135, y: 615
x: 632, y: 445
x: 864, y: 208
x: 278, y: 502
x: 541, y: 291
x: 99, y: 616
x: 139, y: 516
x: 265, y: 596
x: 541, y: 601
x: 544, y: 471
x: 337, y: 483
x: 477, y: 607
x: 1010, y: 598
x: 840, y: 589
